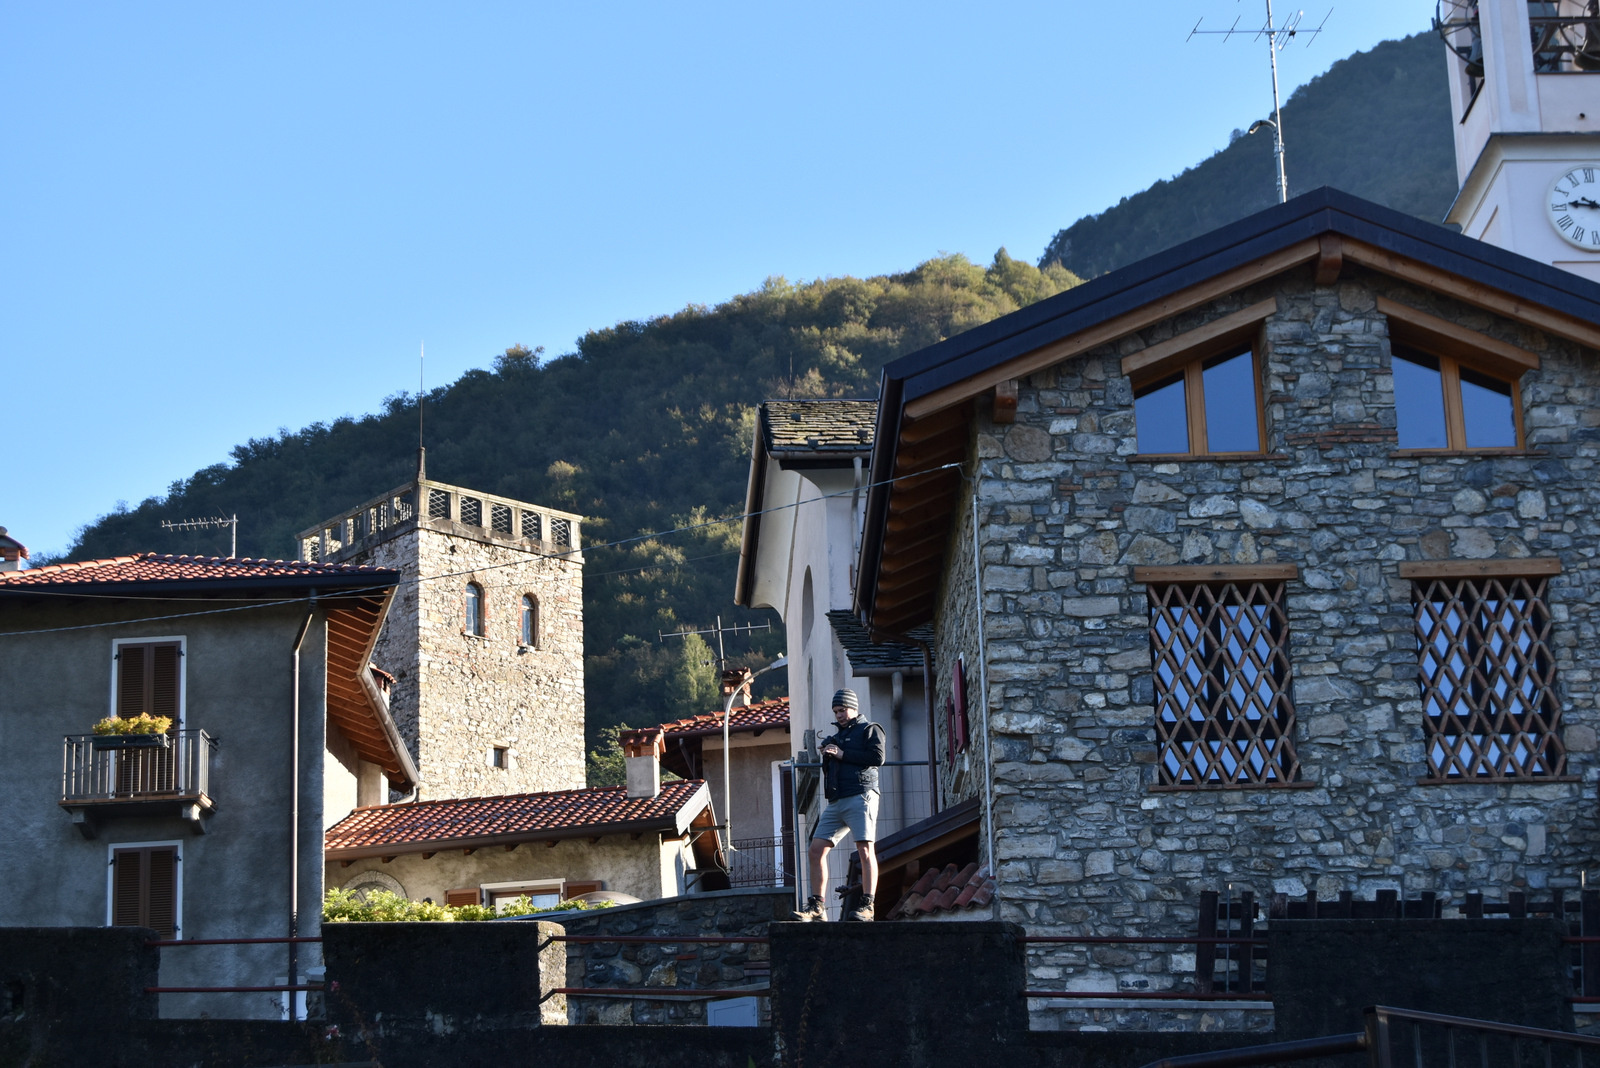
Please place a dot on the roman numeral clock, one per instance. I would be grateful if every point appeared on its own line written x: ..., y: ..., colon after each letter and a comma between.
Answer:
x: 1573, y: 206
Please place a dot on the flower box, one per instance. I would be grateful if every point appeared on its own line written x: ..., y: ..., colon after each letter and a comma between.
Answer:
x: 131, y: 741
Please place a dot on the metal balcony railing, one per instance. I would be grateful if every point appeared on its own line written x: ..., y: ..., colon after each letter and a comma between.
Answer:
x: 101, y: 768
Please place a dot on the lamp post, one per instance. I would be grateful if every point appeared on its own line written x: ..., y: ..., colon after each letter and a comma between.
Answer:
x: 734, y: 681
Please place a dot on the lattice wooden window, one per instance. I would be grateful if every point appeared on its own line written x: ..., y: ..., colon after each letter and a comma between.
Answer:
x: 438, y: 504
x: 1488, y: 679
x: 1224, y: 716
x: 532, y: 526
x: 500, y: 518
x: 472, y: 511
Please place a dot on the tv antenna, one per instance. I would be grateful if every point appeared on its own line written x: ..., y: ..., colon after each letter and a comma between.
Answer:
x: 208, y: 524
x: 1277, y: 38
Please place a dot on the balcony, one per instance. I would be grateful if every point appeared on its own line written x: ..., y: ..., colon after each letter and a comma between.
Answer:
x: 106, y: 777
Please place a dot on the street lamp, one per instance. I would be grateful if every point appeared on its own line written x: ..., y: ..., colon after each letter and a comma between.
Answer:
x: 734, y: 681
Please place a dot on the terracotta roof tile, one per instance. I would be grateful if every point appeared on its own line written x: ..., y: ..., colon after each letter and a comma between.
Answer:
x: 866, y: 654
x: 408, y: 828
x: 946, y: 889
x: 819, y: 425
x: 761, y: 716
x: 165, y: 567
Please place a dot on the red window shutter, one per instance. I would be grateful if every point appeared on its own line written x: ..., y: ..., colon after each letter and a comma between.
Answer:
x: 469, y: 896
x: 578, y: 889
x: 161, y: 899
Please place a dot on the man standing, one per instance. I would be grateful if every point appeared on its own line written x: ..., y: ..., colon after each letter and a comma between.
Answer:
x: 850, y: 760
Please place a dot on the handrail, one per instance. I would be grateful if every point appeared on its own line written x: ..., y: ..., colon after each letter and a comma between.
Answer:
x: 1300, y: 1049
x: 662, y: 991
x: 1384, y: 1013
x: 281, y: 940
x: 658, y: 940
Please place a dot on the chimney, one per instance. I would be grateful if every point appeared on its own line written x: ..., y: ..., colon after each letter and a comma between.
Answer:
x: 642, y: 749
x: 12, y: 552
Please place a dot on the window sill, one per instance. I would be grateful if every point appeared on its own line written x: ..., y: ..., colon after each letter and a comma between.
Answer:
x: 474, y: 637
x: 1209, y: 457
x: 1214, y: 788
x: 1418, y: 454
x: 523, y: 647
x: 1542, y: 780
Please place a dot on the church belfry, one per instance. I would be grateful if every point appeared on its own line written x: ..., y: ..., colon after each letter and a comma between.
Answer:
x: 484, y: 637
x: 1525, y: 96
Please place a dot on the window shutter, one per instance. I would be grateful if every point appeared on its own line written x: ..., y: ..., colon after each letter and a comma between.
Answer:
x: 144, y: 889
x: 456, y: 898
x: 131, y: 676
x: 578, y: 889
x: 126, y: 887
x: 164, y: 681
x: 161, y: 899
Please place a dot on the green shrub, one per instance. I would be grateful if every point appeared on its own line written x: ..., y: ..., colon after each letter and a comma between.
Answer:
x: 383, y: 906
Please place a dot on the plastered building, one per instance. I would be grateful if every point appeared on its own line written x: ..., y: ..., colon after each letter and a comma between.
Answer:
x: 485, y: 636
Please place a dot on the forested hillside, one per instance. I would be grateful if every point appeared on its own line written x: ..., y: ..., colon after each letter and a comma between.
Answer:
x: 1377, y: 124
x: 645, y: 428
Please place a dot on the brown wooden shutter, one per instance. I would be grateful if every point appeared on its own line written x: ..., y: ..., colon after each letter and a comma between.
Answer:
x: 578, y: 889
x: 148, y: 679
x: 469, y: 896
x: 164, y: 681
x: 144, y: 889
x: 131, y: 675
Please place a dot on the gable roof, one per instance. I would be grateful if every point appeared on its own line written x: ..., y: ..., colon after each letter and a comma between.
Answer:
x: 925, y: 398
x: 798, y: 434
x: 475, y: 822
x: 754, y: 718
x: 158, y: 574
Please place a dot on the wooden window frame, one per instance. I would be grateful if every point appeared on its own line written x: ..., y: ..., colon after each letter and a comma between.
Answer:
x: 1455, y: 347
x: 1222, y: 723
x: 1469, y: 711
x: 1187, y: 355
x: 144, y: 849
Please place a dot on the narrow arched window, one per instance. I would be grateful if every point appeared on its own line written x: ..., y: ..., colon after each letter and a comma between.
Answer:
x: 530, y: 621
x: 474, y: 609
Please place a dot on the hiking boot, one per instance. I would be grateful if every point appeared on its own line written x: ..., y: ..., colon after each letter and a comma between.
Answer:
x: 812, y: 911
x: 862, y: 913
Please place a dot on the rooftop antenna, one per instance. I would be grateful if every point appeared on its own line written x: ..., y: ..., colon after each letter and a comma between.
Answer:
x: 207, y: 524
x: 422, y: 453
x: 1278, y: 38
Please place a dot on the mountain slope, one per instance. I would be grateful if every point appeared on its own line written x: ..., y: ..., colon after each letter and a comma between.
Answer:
x: 1377, y: 124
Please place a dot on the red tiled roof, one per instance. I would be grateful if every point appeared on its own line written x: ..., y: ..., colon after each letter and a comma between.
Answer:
x: 946, y: 889
x: 472, y: 821
x: 165, y: 567
x: 761, y: 716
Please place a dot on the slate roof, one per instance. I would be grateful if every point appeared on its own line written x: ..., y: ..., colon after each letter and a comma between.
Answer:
x: 144, y: 571
x: 761, y: 716
x: 867, y: 656
x: 467, y: 822
x: 818, y: 425
x: 946, y: 889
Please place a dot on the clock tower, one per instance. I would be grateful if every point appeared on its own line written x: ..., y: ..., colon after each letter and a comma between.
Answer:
x: 1525, y: 94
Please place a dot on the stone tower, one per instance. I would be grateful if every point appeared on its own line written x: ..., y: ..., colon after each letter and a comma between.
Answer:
x: 485, y: 635
x: 1525, y: 94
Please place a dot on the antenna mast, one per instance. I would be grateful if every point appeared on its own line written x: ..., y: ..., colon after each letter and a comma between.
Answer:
x: 1277, y: 38
x: 206, y: 524
x: 422, y: 453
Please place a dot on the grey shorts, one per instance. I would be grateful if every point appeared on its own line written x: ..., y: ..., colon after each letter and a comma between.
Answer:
x: 858, y: 815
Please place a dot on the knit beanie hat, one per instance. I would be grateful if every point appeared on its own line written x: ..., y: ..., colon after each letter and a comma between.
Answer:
x: 847, y: 698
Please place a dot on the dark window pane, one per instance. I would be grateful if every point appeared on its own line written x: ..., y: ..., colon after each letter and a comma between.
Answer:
x: 1486, y: 407
x: 1419, y: 403
x: 1161, y: 420
x: 1230, y: 388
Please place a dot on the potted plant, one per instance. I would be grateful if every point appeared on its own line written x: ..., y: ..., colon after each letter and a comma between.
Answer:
x: 132, y: 732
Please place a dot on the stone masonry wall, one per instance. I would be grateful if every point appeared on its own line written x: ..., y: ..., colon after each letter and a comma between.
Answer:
x: 1084, y: 843
x: 957, y: 637
x: 457, y: 695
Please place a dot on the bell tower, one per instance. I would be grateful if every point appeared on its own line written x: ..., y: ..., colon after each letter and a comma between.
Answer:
x: 1525, y: 96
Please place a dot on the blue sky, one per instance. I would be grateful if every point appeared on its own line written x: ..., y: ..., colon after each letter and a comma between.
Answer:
x: 223, y: 219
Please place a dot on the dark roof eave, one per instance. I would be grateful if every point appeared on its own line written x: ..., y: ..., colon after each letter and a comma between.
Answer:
x: 158, y: 588
x: 707, y: 732
x: 886, y: 436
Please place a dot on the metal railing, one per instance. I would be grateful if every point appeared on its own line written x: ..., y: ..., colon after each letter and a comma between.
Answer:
x: 1394, y: 1037
x: 106, y: 768
x: 758, y: 862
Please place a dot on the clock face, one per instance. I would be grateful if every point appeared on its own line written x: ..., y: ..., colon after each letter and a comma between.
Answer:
x: 1573, y: 206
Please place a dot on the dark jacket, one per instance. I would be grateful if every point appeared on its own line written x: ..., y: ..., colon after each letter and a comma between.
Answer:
x: 856, y: 772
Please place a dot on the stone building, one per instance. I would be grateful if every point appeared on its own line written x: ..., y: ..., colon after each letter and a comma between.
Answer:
x: 1270, y: 564
x: 485, y: 637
